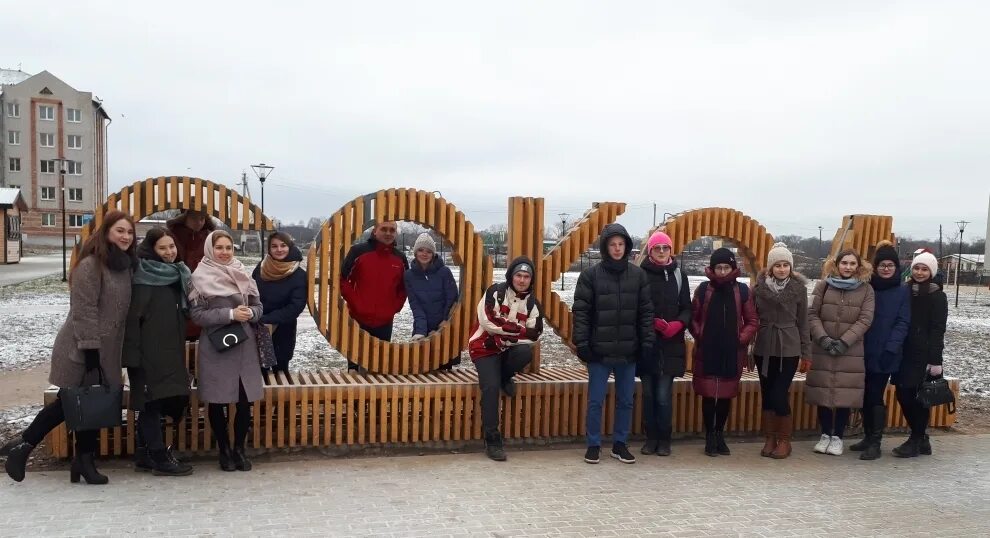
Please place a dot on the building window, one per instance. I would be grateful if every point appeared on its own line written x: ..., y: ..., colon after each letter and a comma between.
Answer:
x: 14, y: 138
x: 75, y: 194
x: 13, y: 110
x: 46, y: 113
x: 14, y: 164
x: 47, y: 140
x: 73, y: 168
x: 75, y: 221
x: 48, y: 219
x: 12, y: 186
x: 73, y: 115
x: 48, y: 193
x: 47, y: 166
x: 75, y: 141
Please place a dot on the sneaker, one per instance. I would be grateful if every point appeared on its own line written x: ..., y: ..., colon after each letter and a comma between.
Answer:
x: 509, y: 388
x: 621, y: 452
x: 592, y: 454
x: 834, y: 447
x: 822, y: 445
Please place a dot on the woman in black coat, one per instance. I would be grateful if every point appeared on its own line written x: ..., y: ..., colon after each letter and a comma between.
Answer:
x: 671, y: 297
x: 155, y: 349
x: 922, y: 351
x: 282, y: 284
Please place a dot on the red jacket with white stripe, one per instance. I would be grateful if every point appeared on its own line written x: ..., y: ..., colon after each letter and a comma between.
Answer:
x: 505, y: 319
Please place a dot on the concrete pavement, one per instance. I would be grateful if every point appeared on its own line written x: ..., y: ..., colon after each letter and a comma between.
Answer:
x: 32, y: 267
x: 536, y: 493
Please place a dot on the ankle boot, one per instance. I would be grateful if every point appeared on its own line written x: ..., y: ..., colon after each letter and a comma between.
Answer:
x: 711, y: 446
x: 84, y: 465
x: 909, y: 449
x: 241, y: 461
x: 494, y: 448
x: 226, y: 457
x: 9, y: 445
x: 925, y: 446
x: 770, y: 433
x: 785, y: 426
x: 17, y: 458
x: 878, y: 419
x: 166, y: 466
x: 142, y: 460
x: 720, y: 446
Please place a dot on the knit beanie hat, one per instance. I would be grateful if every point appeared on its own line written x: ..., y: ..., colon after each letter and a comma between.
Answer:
x: 928, y: 259
x: 658, y: 238
x: 723, y: 255
x: 779, y: 253
x: 425, y: 241
x: 886, y: 253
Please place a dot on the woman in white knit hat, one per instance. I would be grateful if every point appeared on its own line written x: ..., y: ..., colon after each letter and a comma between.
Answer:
x: 922, y: 351
x: 432, y: 291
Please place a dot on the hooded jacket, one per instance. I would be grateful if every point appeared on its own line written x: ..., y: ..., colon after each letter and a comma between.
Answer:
x: 613, y: 310
x: 371, y: 281
x: 506, y: 317
x: 432, y: 293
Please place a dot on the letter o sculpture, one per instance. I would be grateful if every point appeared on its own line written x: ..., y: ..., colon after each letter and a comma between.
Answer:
x: 329, y: 309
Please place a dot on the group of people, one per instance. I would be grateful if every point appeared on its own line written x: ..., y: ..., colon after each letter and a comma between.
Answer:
x: 135, y: 306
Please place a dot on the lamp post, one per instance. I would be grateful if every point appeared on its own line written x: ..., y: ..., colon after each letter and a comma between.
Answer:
x: 962, y: 226
x: 61, y: 188
x: 821, y: 246
x: 439, y: 195
x: 563, y: 230
x: 262, y: 171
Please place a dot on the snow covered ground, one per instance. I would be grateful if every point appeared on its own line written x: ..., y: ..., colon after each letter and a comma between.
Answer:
x: 32, y: 312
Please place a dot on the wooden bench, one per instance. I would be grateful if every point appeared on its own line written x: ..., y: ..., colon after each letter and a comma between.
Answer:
x: 325, y: 408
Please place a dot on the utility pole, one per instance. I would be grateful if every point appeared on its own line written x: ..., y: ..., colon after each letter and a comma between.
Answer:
x: 962, y: 226
x: 245, y: 186
x: 654, y: 214
x: 820, y: 245
x: 939, y: 241
x: 563, y: 230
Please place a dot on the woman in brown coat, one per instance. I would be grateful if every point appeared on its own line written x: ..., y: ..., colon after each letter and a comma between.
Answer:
x: 224, y: 295
x: 89, y: 344
x: 781, y: 343
x: 841, y: 312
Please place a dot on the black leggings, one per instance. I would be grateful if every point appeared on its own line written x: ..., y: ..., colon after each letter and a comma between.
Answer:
x: 48, y: 419
x: 715, y: 413
x: 833, y: 420
x: 242, y: 421
x: 775, y: 383
x: 917, y: 415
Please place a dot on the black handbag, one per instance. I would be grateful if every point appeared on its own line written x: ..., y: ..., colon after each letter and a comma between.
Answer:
x: 228, y: 336
x: 92, y: 407
x: 934, y: 392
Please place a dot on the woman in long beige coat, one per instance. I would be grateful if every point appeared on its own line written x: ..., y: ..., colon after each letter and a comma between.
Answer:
x: 840, y: 314
x: 90, y: 341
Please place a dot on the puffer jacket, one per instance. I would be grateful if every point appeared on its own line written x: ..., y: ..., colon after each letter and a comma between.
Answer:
x: 432, y: 293
x: 845, y: 315
x: 783, y: 318
x: 671, y: 304
x: 613, y: 312
x: 884, y: 342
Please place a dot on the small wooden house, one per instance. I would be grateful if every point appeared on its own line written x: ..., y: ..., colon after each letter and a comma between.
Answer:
x: 12, y: 204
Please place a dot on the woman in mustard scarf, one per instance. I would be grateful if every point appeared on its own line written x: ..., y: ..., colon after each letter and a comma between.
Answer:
x: 282, y: 284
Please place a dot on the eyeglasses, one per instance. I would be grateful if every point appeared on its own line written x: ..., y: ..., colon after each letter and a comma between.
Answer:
x: 665, y: 248
x: 886, y: 266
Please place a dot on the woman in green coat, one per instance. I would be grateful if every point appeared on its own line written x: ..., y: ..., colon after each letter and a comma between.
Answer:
x: 154, y: 349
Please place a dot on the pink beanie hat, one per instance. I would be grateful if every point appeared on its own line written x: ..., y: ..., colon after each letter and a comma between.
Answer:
x: 658, y: 238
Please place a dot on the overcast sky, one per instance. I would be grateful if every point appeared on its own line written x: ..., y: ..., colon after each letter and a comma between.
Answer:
x: 793, y: 112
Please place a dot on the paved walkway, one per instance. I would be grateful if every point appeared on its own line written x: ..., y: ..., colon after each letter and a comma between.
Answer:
x: 31, y: 267
x: 549, y: 492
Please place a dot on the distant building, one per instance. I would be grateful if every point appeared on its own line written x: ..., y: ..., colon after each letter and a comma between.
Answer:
x: 41, y: 119
x: 968, y: 263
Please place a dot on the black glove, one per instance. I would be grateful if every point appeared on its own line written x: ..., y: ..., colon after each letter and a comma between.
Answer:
x: 92, y: 359
x: 584, y: 353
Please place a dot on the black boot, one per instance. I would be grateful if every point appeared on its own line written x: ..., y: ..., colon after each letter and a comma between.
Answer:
x: 867, y: 433
x: 17, y: 458
x: 711, y: 445
x: 925, y: 446
x: 878, y: 419
x: 9, y: 445
x: 650, y: 447
x: 166, y: 466
x: 723, y: 449
x: 226, y: 457
x: 176, y: 456
x: 84, y: 465
x: 909, y: 449
x: 509, y: 388
x: 493, y: 447
x: 241, y: 461
x: 663, y: 447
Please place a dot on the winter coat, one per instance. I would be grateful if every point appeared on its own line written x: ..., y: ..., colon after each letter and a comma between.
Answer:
x: 613, y: 311
x: 220, y: 373
x: 845, y: 315
x: 432, y: 293
x: 926, y: 336
x: 371, y: 281
x: 506, y: 318
x: 283, y: 301
x: 155, y: 344
x: 747, y: 322
x: 190, y: 246
x: 98, y: 302
x: 670, y: 304
x: 783, y: 319
x: 884, y: 342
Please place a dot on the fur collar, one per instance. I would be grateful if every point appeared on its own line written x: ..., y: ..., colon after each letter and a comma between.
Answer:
x: 795, y: 289
x: 864, y: 273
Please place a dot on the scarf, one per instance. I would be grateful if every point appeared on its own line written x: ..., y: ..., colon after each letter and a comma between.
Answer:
x: 721, y: 331
x: 272, y: 269
x: 846, y: 284
x: 156, y: 273
x: 777, y: 285
x: 119, y: 260
x: 615, y: 266
x: 215, y: 279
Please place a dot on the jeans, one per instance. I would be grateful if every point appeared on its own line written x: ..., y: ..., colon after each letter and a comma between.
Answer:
x: 625, y: 385
x: 493, y: 372
x: 833, y: 420
x: 917, y: 415
x: 775, y: 383
x: 382, y: 333
x: 658, y: 409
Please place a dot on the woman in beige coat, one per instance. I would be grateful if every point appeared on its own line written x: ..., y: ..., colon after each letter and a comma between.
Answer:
x: 840, y: 314
x: 89, y: 344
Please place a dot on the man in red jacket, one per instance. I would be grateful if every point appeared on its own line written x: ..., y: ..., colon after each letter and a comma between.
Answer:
x: 371, y: 281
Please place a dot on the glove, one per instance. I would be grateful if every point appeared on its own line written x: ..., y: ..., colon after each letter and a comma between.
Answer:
x: 826, y: 342
x: 839, y: 347
x: 584, y: 353
x: 660, y: 325
x: 804, y: 366
x: 512, y: 327
x: 417, y: 337
x: 673, y: 328
x: 92, y: 359
x: 934, y: 370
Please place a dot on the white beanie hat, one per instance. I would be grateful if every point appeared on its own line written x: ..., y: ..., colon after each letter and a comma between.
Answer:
x: 926, y: 258
x: 779, y: 253
x: 425, y: 241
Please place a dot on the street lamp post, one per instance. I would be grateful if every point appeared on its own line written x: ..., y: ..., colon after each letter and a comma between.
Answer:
x: 821, y: 246
x: 563, y: 230
x: 61, y: 188
x: 962, y: 226
x: 262, y: 171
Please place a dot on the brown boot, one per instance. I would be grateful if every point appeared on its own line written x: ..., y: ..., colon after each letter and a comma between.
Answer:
x: 769, y: 433
x: 785, y: 426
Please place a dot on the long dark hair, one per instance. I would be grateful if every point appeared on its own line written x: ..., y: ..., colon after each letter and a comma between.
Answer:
x: 98, y: 244
x: 147, y: 247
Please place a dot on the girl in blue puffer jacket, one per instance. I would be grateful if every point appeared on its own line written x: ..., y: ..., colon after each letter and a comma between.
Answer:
x: 431, y: 289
